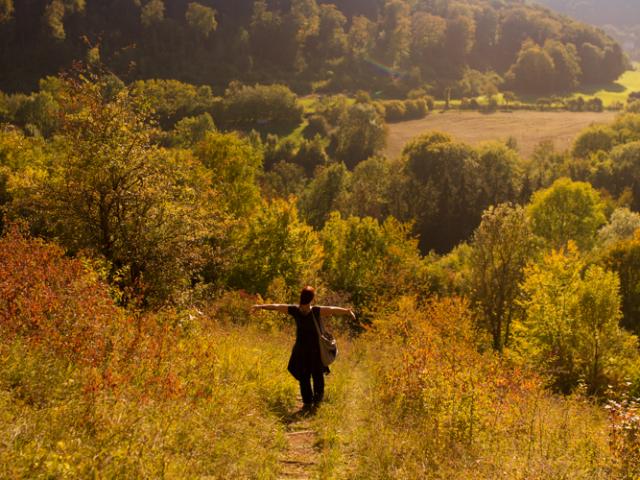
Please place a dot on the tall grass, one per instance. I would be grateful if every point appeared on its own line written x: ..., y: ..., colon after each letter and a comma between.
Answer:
x: 422, y: 400
x: 88, y: 390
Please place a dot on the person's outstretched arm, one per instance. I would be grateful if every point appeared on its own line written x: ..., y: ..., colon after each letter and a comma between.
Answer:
x: 330, y: 311
x: 278, y: 307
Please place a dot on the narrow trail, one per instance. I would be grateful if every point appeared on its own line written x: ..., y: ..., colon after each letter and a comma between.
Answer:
x: 300, y: 459
x: 319, y: 444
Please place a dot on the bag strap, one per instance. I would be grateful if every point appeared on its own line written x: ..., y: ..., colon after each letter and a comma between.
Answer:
x: 316, y: 323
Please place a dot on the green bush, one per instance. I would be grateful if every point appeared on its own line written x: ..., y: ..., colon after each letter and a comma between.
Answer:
x: 394, y: 111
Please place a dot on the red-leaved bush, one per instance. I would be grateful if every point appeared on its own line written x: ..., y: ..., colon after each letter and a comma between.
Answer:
x: 53, y: 300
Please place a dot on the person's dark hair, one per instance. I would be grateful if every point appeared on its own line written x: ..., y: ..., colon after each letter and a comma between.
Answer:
x: 307, y: 294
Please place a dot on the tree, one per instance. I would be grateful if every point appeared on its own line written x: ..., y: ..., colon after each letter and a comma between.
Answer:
x: 622, y: 226
x: 152, y: 13
x: 330, y: 41
x: 500, y: 173
x: 459, y: 38
x: 360, y: 134
x: 501, y: 247
x: 625, y: 160
x: 325, y: 194
x: 266, y: 108
x: 369, y: 187
x: 202, y: 19
x: 566, y: 65
x: 276, y: 245
x: 597, y: 138
x: 394, y: 32
x: 442, y: 189
x: 533, y: 71
x: 369, y: 260
x: 191, y: 130
x: 109, y: 190
x: 567, y: 211
x: 570, y: 330
x: 623, y: 257
x: 234, y: 165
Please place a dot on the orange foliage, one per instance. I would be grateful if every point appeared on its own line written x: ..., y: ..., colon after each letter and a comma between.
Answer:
x: 60, y: 305
x: 443, y: 372
x: 54, y: 300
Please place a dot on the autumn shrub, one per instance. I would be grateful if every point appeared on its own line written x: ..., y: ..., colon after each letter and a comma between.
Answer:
x: 88, y: 389
x: 444, y: 406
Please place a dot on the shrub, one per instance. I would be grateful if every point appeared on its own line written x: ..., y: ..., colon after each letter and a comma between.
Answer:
x: 416, y: 108
x: 439, y: 394
x: 394, y: 111
x: 316, y: 125
x: 266, y: 108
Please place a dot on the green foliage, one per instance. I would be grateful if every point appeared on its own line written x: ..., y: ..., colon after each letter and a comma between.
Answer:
x: 501, y: 247
x: 360, y: 133
x: 172, y: 100
x: 624, y: 171
x: 533, y: 71
x: 397, y: 111
x: 266, y: 108
x: 309, y: 44
x: 369, y: 260
x: 570, y: 330
x: 191, y: 130
x: 107, y: 189
x: 201, y: 18
x: 276, y: 245
x: 595, y: 139
x: 234, y: 164
x: 500, y: 173
x: 370, y: 189
x: 622, y: 225
x: 152, y: 13
x: 567, y: 211
x: 325, y: 194
x: 623, y: 257
x: 442, y: 189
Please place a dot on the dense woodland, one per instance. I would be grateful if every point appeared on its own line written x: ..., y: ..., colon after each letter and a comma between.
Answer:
x: 389, y: 47
x: 497, y: 297
x: 618, y: 18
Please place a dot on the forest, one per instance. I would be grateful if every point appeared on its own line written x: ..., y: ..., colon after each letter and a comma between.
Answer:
x: 391, y: 47
x: 618, y: 18
x: 144, y: 210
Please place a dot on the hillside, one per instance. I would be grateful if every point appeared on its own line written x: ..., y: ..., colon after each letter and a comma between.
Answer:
x: 387, y: 47
x: 619, y: 18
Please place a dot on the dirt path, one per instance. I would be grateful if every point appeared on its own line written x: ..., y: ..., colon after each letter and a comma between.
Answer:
x: 300, y: 459
x: 320, y: 444
x: 527, y: 127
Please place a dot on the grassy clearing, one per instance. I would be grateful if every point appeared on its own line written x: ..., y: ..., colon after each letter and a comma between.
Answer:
x: 529, y: 128
x: 616, y: 92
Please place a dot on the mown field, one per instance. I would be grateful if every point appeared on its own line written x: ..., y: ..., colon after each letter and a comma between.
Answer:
x: 529, y: 128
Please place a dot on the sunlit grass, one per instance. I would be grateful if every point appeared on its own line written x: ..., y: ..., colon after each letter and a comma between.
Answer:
x: 616, y: 92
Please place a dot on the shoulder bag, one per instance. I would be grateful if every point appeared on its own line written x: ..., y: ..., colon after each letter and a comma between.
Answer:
x: 328, y: 345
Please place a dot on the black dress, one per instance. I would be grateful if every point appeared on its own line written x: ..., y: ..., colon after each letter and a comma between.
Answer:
x: 305, y: 356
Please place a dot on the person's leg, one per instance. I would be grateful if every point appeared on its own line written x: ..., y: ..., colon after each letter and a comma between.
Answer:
x: 318, y: 386
x: 305, y: 389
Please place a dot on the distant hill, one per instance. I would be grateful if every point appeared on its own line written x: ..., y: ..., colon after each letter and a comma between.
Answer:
x: 385, y: 46
x: 619, y: 18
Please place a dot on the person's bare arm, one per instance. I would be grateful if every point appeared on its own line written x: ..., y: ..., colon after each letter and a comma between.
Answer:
x: 331, y: 311
x: 278, y: 307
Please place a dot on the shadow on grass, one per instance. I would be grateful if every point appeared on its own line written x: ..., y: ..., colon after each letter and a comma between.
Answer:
x: 302, y: 413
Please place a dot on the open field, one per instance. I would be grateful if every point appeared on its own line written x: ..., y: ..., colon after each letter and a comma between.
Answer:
x: 529, y: 128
